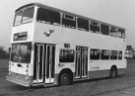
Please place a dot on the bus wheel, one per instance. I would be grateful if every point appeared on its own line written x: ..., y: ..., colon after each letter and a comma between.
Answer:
x: 65, y: 79
x: 113, y: 72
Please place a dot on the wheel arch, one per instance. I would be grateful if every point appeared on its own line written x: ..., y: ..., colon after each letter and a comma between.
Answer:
x: 65, y: 70
x: 113, y: 71
x: 114, y: 67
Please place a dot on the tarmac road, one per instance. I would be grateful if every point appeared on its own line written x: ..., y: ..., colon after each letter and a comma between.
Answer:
x: 121, y: 86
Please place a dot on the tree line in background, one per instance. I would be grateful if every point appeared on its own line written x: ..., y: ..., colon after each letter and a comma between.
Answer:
x: 3, y: 53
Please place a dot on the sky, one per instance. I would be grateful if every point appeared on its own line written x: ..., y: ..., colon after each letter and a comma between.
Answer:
x: 116, y: 12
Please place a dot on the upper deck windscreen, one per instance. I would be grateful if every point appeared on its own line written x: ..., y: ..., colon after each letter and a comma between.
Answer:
x: 24, y: 15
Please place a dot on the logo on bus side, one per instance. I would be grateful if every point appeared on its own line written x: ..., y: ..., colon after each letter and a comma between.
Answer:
x: 48, y: 33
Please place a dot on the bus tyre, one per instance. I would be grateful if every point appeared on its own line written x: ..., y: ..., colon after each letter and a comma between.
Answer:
x: 113, y: 72
x: 65, y: 79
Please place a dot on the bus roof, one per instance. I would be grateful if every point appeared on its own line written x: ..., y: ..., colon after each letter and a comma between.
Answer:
x: 59, y: 10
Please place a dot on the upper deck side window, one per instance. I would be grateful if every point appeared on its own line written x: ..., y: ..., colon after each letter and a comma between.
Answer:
x: 94, y: 26
x: 48, y: 16
x: 114, y: 31
x: 105, y: 29
x: 69, y: 20
x: 122, y: 31
x: 117, y: 32
x: 24, y: 15
x: 83, y: 23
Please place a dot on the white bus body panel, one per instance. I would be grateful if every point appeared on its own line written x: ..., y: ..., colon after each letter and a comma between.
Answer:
x: 29, y: 28
x: 76, y: 37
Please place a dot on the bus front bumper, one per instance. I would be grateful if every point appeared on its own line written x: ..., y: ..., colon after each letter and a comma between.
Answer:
x: 20, y: 79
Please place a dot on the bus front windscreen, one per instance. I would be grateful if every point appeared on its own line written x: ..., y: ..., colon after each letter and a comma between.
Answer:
x: 23, y: 16
x: 21, y: 52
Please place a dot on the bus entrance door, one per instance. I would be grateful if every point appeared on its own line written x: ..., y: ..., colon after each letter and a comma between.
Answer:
x: 50, y: 63
x: 81, y: 63
x: 44, y: 63
x: 39, y: 53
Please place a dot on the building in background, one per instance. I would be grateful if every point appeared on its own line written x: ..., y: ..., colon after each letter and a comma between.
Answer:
x: 130, y: 52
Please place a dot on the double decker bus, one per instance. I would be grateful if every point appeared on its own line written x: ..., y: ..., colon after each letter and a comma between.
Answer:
x: 51, y: 47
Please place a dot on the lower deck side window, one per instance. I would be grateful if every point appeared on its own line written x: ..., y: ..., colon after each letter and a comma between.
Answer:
x: 104, y: 54
x: 114, y: 55
x: 94, y: 54
x: 120, y: 55
x: 66, y: 55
